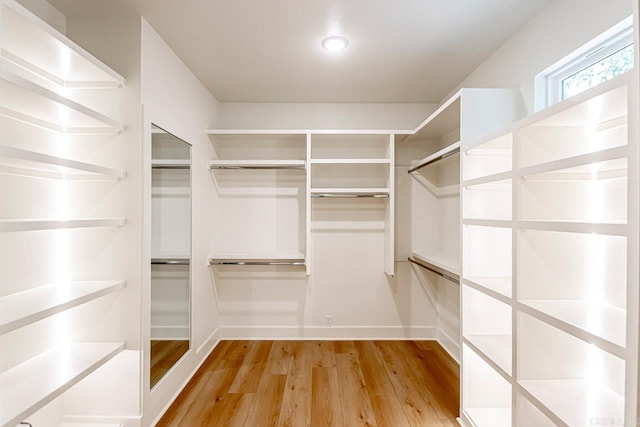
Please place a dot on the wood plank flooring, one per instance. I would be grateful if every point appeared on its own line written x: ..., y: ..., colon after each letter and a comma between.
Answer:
x: 321, y: 383
x: 164, y: 354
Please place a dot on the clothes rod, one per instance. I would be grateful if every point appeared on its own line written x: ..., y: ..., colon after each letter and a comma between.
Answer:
x: 433, y: 160
x: 348, y: 196
x: 433, y: 270
x: 257, y: 167
x: 256, y: 262
x: 170, y: 167
x: 169, y: 261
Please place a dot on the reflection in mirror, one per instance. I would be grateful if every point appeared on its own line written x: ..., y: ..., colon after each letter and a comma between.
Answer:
x: 170, y: 251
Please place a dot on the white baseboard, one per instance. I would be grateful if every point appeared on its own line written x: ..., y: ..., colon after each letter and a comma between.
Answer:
x: 450, y: 345
x: 330, y: 333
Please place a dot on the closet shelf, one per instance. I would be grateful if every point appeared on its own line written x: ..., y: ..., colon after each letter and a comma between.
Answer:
x: 495, y: 348
x: 372, y: 161
x: 612, y: 228
x: 257, y: 164
x: 29, y: 386
x: 52, y: 224
x: 568, y: 399
x: 489, y: 417
x: 444, y: 268
x: 52, y: 167
x: 171, y: 164
x: 436, y: 157
x: 498, y: 287
x: 502, y: 176
x: 585, y: 167
x: 595, y: 322
x: 75, y: 424
x: 349, y: 192
x: 500, y: 223
x: 275, y: 260
x: 32, y: 104
x: 443, y: 121
x: 26, y: 307
x: 35, y: 46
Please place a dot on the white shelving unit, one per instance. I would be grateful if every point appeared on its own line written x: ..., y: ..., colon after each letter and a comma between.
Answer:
x: 355, y: 165
x: 40, y: 72
x: 432, y: 155
x: 31, y: 385
x: 260, y: 180
x: 550, y: 220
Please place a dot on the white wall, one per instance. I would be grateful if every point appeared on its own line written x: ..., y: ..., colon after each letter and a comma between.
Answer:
x: 322, y: 116
x: 558, y: 30
x: 46, y: 12
x: 176, y: 101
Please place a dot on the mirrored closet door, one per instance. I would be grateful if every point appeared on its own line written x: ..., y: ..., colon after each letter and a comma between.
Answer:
x: 170, y: 251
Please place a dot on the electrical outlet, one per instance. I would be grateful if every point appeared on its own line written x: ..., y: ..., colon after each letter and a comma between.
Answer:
x: 328, y: 320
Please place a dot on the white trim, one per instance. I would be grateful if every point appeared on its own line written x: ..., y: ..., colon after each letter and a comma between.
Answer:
x: 330, y: 333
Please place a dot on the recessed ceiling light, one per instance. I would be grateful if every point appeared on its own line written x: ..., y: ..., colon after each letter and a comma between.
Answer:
x: 335, y: 43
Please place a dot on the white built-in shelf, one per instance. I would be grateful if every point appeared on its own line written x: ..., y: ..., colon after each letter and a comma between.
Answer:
x: 439, y: 265
x: 497, y: 348
x: 614, y: 228
x: 448, y: 151
x: 349, y: 192
x: 31, y: 44
x: 258, y: 259
x: 26, y: 307
x: 489, y: 417
x: 610, y: 163
x: 171, y: 164
x: 31, y: 163
x: 499, y: 285
x: 27, y: 102
x: 502, y: 176
x: 444, y: 120
x: 170, y: 260
x: 601, y: 320
x: 575, y: 402
x: 257, y: 164
x: 351, y: 161
x: 9, y: 225
x: 29, y: 386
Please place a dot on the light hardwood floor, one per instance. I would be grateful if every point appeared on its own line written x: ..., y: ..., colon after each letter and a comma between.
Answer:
x: 321, y: 383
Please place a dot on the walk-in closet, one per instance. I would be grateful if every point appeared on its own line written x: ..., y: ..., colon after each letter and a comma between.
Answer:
x: 321, y: 213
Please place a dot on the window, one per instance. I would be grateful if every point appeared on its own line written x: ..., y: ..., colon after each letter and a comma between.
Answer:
x: 602, y: 59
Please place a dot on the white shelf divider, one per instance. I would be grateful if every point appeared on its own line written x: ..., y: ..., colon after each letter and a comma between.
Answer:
x: 10, y: 225
x: 488, y: 179
x: 494, y: 348
x: 29, y: 386
x: 350, y: 161
x: 613, y: 229
x: 576, y: 161
x: 26, y: 307
x: 257, y: 164
x: 35, y: 105
x: 61, y: 166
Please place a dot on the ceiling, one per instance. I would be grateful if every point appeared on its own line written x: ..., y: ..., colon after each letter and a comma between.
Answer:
x: 269, y: 50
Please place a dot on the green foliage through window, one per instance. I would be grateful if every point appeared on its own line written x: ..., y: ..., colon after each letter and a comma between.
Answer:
x: 613, y: 65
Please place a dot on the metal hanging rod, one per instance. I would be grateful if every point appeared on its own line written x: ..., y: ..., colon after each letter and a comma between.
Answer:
x: 294, y: 262
x: 432, y: 160
x: 257, y: 167
x: 348, y: 196
x: 170, y: 166
x: 170, y: 261
x: 433, y: 270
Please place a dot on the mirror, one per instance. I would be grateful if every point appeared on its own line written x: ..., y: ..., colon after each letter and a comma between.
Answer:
x: 170, y: 251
